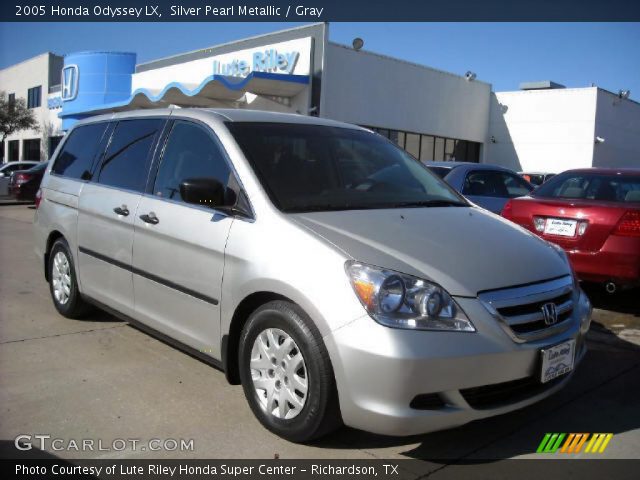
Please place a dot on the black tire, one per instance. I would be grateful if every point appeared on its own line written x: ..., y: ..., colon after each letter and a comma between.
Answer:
x: 74, y: 306
x: 320, y: 414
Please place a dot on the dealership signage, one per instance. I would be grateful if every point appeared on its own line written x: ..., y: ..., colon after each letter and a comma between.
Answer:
x: 262, y: 61
x: 69, y: 82
x: 289, y: 57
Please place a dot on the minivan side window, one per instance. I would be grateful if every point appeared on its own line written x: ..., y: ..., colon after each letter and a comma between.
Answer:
x: 190, y: 153
x: 79, y: 151
x: 126, y: 162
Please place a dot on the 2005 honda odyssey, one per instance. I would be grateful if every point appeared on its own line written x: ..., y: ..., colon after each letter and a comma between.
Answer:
x: 314, y: 262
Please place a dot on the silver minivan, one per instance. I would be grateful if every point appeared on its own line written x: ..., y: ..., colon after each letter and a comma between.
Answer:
x: 323, y: 268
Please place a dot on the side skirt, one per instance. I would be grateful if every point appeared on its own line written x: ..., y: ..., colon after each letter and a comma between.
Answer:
x: 192, y: 352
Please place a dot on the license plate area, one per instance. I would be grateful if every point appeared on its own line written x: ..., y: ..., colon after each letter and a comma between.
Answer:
x: 560, y: 226
x: 557, y: 360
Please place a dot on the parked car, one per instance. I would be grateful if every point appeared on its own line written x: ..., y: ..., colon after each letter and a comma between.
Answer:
x: 489, y: 186
x: 24, y: 184
x: 594, y: 214
x: 387, y: 302
x: 7, y: 169
x: 536, y: 178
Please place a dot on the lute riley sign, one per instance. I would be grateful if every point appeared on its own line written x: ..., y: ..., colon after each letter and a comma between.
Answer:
x: 263, y: 61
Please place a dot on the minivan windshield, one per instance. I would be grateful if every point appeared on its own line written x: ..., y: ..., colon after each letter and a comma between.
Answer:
x: 307, y: 168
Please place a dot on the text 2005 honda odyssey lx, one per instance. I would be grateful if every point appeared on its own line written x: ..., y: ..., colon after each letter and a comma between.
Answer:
x: 315, y: 262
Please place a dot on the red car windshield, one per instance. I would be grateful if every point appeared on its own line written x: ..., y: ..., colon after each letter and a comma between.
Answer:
x: 592, y: 186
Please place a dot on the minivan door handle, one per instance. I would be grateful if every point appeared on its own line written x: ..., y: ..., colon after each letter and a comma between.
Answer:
x: 123, y: 210
x: 150, y: 218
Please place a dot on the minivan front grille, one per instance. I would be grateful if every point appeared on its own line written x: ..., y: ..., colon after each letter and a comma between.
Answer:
x: 520, y: 310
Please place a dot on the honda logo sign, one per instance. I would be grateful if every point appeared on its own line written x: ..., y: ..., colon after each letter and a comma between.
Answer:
x: 69, y: 82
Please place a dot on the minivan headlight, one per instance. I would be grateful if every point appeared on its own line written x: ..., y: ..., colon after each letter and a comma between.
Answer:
x: 402, y: 301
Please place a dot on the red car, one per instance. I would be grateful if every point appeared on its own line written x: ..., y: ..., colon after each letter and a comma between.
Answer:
x: 594, y: 214
x: 24, y: 184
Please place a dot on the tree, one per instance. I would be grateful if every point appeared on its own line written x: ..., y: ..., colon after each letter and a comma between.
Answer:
x: 15, y: 116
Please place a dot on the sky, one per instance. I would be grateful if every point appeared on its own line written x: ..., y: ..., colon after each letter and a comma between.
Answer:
x: 503, y: 54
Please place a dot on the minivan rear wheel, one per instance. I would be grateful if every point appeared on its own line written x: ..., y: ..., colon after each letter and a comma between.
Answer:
x: 63, y: 283
x: 286, y: 373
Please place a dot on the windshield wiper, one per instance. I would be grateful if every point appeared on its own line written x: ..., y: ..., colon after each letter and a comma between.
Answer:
x: 429, y: 203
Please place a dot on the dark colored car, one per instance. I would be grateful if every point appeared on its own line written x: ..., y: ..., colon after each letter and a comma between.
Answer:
x: 24, y: 184
x: 488, y: 186
x: 594, y: 214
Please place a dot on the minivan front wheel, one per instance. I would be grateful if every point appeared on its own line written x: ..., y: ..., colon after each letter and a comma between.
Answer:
x: 63, y: 283
x: 286, y: 373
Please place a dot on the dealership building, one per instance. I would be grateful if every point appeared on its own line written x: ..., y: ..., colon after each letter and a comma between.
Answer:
x: 432, y: 114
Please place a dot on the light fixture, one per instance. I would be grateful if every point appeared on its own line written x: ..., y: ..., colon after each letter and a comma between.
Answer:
x: 469, y: 76
x: 357, y: 43
x: 624, y: 94
x: 599, y: 140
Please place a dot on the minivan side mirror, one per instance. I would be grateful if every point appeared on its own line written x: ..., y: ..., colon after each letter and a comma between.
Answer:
x: 207, y: 192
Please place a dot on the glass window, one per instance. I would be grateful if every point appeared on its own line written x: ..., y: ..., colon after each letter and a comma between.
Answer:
x: 460, y: 151
x: 495, y: 183
x: 53, y: 144
x: 413, y: 144
x: 14, y: 150
x: 473, y: 152
x: 11, y: 99
x: 191, y: 153
x: 319, y: 168
x: 426, y: 148
x: 78, y: 152
x: 383, y: 131
x: 438, y: 155
x: 397, y: 137
x: 34, y: 97
x: 1, y: 151
x: 31, y: 149
x: 449, y: 147
x: 126, y: 162
x: 590, y: 186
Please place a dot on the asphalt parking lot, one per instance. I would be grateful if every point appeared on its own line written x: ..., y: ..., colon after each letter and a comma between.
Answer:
x: 103, y: 379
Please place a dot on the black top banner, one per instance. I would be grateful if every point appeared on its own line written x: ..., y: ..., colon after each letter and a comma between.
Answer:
x: 317, y: 10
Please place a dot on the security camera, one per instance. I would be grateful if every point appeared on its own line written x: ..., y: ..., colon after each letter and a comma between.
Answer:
x: 470, y: 76
x: 599, y: 140
x: 624, y: 94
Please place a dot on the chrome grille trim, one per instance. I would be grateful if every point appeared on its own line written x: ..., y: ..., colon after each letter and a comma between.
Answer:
x: 495, y: 300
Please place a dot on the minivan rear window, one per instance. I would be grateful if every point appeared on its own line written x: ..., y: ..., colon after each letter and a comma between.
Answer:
x: 79, y: 151
x: 126, y: 162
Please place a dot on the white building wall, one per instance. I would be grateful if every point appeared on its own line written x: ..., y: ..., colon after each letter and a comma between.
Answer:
x: 542, y: 130
x: 618, y: 123
x: 379, y: 91
x: 19, y: 79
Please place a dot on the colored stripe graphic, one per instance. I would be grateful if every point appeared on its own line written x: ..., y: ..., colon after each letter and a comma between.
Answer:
x: 551, y: 442
x: 598, y: 442
x: 574, y: 442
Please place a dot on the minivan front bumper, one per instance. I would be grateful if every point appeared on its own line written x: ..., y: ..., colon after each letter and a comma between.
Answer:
x: 405, y: 382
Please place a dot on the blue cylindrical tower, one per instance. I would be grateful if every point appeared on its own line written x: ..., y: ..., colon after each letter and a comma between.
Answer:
x: 93, y: 79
